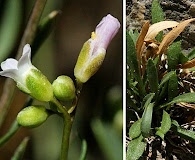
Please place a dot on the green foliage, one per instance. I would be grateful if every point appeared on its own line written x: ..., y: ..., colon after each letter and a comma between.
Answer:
x: 157, y: 16
x: 147, y: 120
x: 155, y: 85
x: 135, y: 129
x: 157, y: 12
x: 108, y: 140
x: 191, y: 55
x: 44, y: 29
x: 172, y: 87
x: 133, y: 63
x: 135, y: 148
x: 165, y: 125
x: 83, y: 150
x: 152, y: 76
x: 19, y: 152
x: 186, y: 97
x: 175, y: 56
x: 187, y: 134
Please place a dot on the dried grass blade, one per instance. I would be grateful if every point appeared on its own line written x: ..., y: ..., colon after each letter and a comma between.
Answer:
x: 172, y: 35
x: 157, y: 27
x: 188, y: 64
x: 140, y: 40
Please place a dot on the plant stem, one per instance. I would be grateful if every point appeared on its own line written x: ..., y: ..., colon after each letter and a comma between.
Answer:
x: 31, y: 28
x: 66, y: 130
x: 13, y: 129
x: 68, y: 120
x: 65, y: 138
x: 79, y: 86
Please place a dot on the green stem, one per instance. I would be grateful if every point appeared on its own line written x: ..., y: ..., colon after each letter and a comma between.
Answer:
x: 79, y: 86
x: 65, y: 139
x: 66, y: 130
x: 14, y: 128
x: 68, y: 120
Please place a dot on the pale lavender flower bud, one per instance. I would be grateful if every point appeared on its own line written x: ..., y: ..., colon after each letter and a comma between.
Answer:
x: 94, y: 50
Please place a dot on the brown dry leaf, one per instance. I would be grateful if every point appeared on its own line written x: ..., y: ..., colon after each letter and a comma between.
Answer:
x: 157, y: 27
x: 186, y: 105
x: 188, y: 64
x: 172, y: 35
x: 140, y: 40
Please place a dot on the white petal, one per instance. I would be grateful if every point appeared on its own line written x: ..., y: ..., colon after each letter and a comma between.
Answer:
x: 11, y: 73
x: 26, y: 49
x: 10, y: 63
x: 25, y: 61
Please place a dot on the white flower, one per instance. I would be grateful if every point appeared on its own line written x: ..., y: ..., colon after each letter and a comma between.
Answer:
x: 28, y: 78
x: 94, y: 50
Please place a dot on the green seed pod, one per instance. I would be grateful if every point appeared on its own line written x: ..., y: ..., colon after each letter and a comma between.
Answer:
x: 32, y: 116
x: 64, y: 89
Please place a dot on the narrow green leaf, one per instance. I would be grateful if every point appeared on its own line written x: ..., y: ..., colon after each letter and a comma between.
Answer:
x: 134, y: 35
x: 162, y: 94
x: 166, y: 78
x: 13, y: 129
x: 187, y: 134
x: 108, y: 140
x: 136, y: 148
x: 152, y: 76
x: 191, y: 55
x: 83, y: 150
x: 147, y: 99
x: 157, y: 12
x: 133, y: 63
x: 172, y: 87
x: 147, y: 120
x: 19, y: 152
x: 186, y: 97
x: 173, y: 55
x: 135, y: 129
x: 157, y: 16
x: 43, y: 30
x: 156, y: 60
x: 165, y: 125
x: 9, y: 27
x: 182, y: 58
x: 132, y: 58
x: 131, y: 85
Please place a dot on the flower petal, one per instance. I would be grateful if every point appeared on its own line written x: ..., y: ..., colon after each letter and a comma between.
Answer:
x: 25, y: 61
x: 10, y: 63
x: 11, y: 73
x: 106, y: 30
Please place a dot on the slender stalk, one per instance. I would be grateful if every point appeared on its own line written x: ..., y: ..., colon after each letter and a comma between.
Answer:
x: 68, y: 120
x: 65, y: 138
x: 66, y: 130
x: 79, y: 86
x: 31, y: 28
x: 14, y: 128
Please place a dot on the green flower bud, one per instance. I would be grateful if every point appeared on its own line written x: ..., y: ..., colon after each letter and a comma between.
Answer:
x: 32, y: 116
x: 28, y: 78
x: 39, y: 86
x: 64, y: 89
